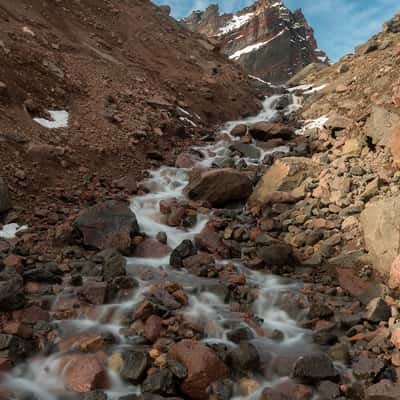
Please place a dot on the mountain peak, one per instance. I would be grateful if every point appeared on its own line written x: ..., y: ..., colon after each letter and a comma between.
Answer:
x: 266, y: 38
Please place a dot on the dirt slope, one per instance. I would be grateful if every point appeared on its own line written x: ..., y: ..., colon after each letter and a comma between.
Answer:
x: 121, y: 69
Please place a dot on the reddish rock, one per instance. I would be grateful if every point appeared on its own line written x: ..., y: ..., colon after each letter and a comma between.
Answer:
x: 203, y: 366
x: 151, y: 248
x: 239, y: 130
x: 266, y: 130
x: 18, y: 329
x: 127, y: 183
x: 84, y: 373
x: 94, y: 292
x: 209, y: 240
x: 5, y: 365
x: 185, y: 160
x: 287, y: 390
x: 143, y: 311
x: 395, y: 338
x: 350, y: 282
x: 394, y: 279
x: 181, y: 296
x: 234, y: 278
x: 31, y: 315
x: 14, y: 261
x: 152, y: 328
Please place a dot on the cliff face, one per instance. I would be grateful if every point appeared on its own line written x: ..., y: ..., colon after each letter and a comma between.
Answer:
x: 267, y: 39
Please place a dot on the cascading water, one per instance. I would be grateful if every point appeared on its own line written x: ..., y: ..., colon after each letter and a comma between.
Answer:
x: 40, y: 377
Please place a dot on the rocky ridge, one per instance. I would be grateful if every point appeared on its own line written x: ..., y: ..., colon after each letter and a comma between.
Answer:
x: 266, y: 39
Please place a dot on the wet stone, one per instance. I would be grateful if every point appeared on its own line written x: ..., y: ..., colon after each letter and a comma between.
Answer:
x: 368, y: 368
x: 178, y: 369
x: 378, y: 310
x: 244, y: 358
x: 240, y: 334
x: 160, y: 382
x: 134, y: 364
x: 184, y: 250
x: 314, y: 368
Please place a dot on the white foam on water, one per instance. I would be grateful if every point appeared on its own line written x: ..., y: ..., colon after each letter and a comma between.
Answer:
x: 10, y: 231
x: 59, y: 119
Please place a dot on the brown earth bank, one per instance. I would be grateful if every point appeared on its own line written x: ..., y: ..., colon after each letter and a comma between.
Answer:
x: 125, y: 71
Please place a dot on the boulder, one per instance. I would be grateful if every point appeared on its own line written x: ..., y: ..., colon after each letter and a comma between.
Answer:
x: 84, y: 373
x: 5, y: 198
x: 266, y: 130
x: 378, y: 310
x: 285, y: 175
x: 379, y: 125
x: 107, y: 225
x: 185, y: 250
x: 384, y: 390
x: 277, y: 254
x: 394, y: 143
x: 219, y: 186
x: 112, y: 263
x: 380, y: 222
x: 131, y: 365
x: 160, y: 382
x: 239, y: 130
x: 393, y: 25
x: 314, y: 368
x: 394, y: 278
x: 203, y: 367
x: 337, y: 122
x: 11, y: 291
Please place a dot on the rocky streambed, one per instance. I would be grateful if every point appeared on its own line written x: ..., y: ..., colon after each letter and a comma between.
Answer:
x: 205, y: 286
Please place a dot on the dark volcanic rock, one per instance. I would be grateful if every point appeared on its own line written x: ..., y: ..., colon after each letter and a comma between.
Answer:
x: 107, y: 225
x: 313, y: 368
x: 219, y: 186
x: 5, y: 198
x: 265, y: 131
x: 11, y: 292
x: 184, y: 250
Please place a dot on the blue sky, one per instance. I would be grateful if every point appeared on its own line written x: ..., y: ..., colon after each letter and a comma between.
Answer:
x: 339, y: 25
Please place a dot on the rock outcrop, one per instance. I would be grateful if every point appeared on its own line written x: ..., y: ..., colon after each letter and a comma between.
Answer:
x: 266, y: 38
x: 381, y: 226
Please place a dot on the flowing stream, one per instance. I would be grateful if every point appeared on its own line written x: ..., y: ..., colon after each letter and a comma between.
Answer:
x: 39, y: 378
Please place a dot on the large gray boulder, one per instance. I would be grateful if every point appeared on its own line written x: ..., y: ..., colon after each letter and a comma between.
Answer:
x: 5, y: 198
x: 107, y: 225
x: 285, y: 175
x: 380, y: 223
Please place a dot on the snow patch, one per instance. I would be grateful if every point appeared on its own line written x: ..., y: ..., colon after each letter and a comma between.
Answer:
x: 235, y: 23
x: 59, y: 119
x: 253, y: 47
x: 318, y: 123
x: 259, y: 79
x: 9, y: 231
x: 316, y: 89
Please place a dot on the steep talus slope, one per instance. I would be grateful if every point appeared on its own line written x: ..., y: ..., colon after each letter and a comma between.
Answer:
x: 126, y: 72
x: 358, y: 135
x: 267, y: 39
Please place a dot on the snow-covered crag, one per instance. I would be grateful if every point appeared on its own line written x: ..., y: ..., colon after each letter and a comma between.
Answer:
x: 267, y: 39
